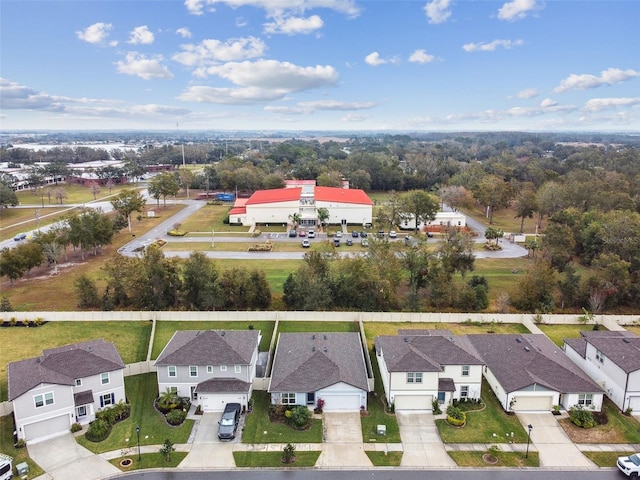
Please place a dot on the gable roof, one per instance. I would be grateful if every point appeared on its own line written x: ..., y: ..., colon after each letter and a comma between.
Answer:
x: 341, y: 195
x: 621, y: 347
x: 307, y: 362
x: 518, y: 361
x: 62, y: 365
x: 422, y: 353
x: 209, y: 347
x: 274, y: 195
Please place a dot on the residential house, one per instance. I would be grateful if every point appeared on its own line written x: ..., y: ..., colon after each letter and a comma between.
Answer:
x: 63, y: 386
x: 612, y: 360
x: 211, y: 367
x: 531, y: 373
x: 308, y: 367
x: 420, y: 366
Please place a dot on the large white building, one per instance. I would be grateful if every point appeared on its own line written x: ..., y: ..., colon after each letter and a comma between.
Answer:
x: 345, y: 206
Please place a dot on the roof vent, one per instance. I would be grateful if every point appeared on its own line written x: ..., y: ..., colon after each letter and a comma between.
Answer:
x: 197, y: 333
x: 325, y: 337
x: 626, y: 340
x: 222, y: 333
x: 518, y: 340
x: 527, y: 349
x: 313, y: 349
x: 406, y: 339
x: 324, y: 349
x: 313, y: 337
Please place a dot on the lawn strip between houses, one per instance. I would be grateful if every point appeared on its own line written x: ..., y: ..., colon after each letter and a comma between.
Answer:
x: 557, y: 333
x: 376, y: 412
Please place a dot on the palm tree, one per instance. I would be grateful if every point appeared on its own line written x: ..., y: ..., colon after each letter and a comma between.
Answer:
x: 295, y: 219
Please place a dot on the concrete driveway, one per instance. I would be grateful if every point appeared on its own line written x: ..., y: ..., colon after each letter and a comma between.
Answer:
x: 207, y: 450
x: 554, y: 446
x: 63, y: 459
x: 342, y: 441
x: 421, y: 441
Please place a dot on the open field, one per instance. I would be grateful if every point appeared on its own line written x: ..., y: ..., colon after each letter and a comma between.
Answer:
x: 17, y: 220
x: 130, y: 338
x: 505, y: 219
x: 75, y: 194
x: 557, y: 333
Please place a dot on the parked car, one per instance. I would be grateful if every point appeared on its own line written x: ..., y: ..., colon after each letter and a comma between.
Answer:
x: 293, y: 233
x: 364, y: 234
x: 380, y: 233
x: 20, y: 236
x: 429, y: 234
x: 410, y: 241
x: 393, y: 234
x: 311, y: 234
x: 302, y: 233
x: 349, y: 242
x: 630, y: 465
x: 338, y: 234
x: 306, y: 243
x: 228, y: 424
x: 336, y: 242
x: 364, y: 242
x: 354, y: 234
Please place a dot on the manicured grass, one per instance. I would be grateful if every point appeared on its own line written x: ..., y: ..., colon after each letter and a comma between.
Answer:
x: 165, y: 330
x: 258, y: 428
x: 75, y: 194
x: 12, y: 219
x: 619, y: 429
x: 557, y: 333
x: 19, y: 454
x: 210, y: 217
x: 606, y: 459
x: 482, y: 425
x: 633, y: 328
x: 18, y: 343
x: 301, y: 327
x: 276, y: 271
x: 274, y: 459
x: 382, y: 459
x: 505, y: 459
x: 377, y: 415
x: 142, y: 390
x: 499, y: 274
x: 505, y: 219
x: 149, y: 460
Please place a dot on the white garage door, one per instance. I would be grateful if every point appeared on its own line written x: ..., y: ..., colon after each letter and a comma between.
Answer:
x: 48, y: 427
x: 533, y: 404
x: 634, y: 402
x: 413, y: 402
x: 211, y: 402
x: 341, y: 402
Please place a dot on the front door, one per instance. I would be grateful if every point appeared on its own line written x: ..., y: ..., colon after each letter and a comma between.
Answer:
x: 441, y: 397
x: 194, y: 395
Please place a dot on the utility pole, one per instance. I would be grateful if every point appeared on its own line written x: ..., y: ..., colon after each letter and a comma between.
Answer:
x: 184, y: 166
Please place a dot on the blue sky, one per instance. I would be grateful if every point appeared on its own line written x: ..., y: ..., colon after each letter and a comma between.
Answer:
x: 439, y: 65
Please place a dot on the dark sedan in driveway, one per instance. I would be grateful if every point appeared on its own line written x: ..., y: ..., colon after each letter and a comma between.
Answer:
x: 228, y: 424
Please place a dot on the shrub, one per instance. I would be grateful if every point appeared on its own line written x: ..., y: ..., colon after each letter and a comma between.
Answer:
x: 435, y: 406
x: 581, y: 417
x: 166, y: 449
x: 455, y: 416
x: 20, y: 443
x: 320, y: 405
x: 288, y: 453
x: 75, y: 427
x: 628, y: 411
x: 300, y: 416
x: 176, y: 417
x: 98, y: 430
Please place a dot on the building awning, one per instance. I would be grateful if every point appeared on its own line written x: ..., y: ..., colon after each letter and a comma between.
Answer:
x: 223, y: 385
x: 83, y: 398
x: 446, y: 385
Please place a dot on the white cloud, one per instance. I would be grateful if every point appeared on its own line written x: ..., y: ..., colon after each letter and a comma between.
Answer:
x: 491, y: 46
x: 336, y: 105
x: 348, y: 7
x: 438, y: 10
x: 607, y: 77
x: 516, y: 9
x: 421, y: 56
x: 294, y: 25
x: 354, y: 118
x: 184, y: 32
x: 374, y: 59
x: 230, y: 96
x: 144, y: 67
x: 212, y: 51
x: 141, y: 35
x: 96, y: 33
x: 547, y: 103
x: 18, y: 97
x: 527, y: 93
x: 596, y: 104
x: 286, y: 110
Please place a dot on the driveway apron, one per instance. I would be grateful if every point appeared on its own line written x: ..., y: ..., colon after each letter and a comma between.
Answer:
x: 63, y: 459
x: 342, y: 441
x: 554, y: 446
x: 421, y: 441
x: 207, y: 450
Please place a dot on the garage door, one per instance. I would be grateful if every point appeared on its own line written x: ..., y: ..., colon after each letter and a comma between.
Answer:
x: 211, y: 402
x: 634, y: 402
x: 342, y: 402
x: 413, y: 402
x: 48, y: 427
x: 533, y: 404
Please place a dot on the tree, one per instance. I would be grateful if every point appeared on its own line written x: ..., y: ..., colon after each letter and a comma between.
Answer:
x: 494, y: 193
x: 89, y: 229
x: 8, y: 197
x: 166, y: 449
x: 456, y: 251
x: 456, y: 196
x: 526, y: 205
x: 5, y: 304
x: 60, y: 194
x: 127, y: 202
x: 493, y: 233
x: 11, y: 264
x: 532, y: 245
x: 535, y: 290
x: 323, y: 215
x: 295, y: 219
x: 200, y: 289
x: 94, y: 188
x: 416, y: 262
x: 558, y: 245
x: 161, y: 280
x: 163, y: 185
x: 86, y: 292
x: 419, y: 206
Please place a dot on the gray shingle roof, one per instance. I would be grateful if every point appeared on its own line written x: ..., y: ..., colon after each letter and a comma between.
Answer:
x: 519, y: 361
x: 422, y: 353
x: 621, y: 347
x: 83, y: 398
x: 210, y: 347
x: 62, y: 365
x: 446, y: 385
x: 223, y: 385
x: 307, y: 362
x: 578, y: 344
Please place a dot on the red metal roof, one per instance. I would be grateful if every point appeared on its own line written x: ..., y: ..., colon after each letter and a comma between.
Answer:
x: 275, y: 195
x: 238, y: 211
x: 342, y: 195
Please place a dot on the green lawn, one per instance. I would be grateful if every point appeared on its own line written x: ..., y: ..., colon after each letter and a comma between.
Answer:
x: 606, y: 459
x: 130, y: 338
x: 309, y: 326
x: 482, y: 425
x: 382, y: 459
x: 149, y: 460
x: 557, y: 333
x: 377, y: 415
x: 274, y: 459
x: 141, y: 392
x: 505, y: 459
x: 258, y: 428
x: 165, y: 330
x: 19, y: 454
x: 276, y: 271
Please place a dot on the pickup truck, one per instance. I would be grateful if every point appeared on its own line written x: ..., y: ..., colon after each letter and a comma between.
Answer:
x: 630, y: 465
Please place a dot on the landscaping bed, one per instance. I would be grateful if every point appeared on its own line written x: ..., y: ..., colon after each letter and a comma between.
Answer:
x: 500, y: 459
x: 618, y: 428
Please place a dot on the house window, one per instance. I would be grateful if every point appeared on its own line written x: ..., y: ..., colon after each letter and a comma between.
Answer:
x: 414, y: 377
x: 585, y: 399
x: 78, y: 382
x: 43, y: 399
x: 465, y: 370
x: 599, y: 356
x: 173, y: 390
x: 193, y: 371
x: 82, y: 411
x: 107, y: 399
x: 223, y: 368
x: 172, y: 371
x: 209, y: 368
x: 237, y: 368
x: 288, y: 398
x: 464, y: 391
x: 104, y: 378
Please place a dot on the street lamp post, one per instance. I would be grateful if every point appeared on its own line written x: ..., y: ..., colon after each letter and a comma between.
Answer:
x: 530, y: 427
x: 138, y: 433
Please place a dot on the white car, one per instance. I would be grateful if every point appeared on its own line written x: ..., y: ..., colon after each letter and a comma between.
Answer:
x: 306, y: 243
x: 630, y: 465
x: 311, y: 234
x: 393, y: 234
x: 338, y: 234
